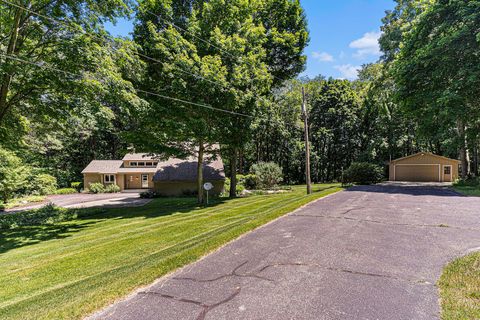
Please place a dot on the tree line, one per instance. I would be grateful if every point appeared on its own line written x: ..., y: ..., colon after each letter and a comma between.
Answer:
x: 198, y: 74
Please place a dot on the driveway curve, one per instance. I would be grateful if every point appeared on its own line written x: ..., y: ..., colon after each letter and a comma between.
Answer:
x: 370, y: 252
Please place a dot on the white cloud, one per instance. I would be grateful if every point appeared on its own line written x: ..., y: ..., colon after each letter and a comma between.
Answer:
x: 348, y: 71
x: 322, y: 56
x: 366, y: 45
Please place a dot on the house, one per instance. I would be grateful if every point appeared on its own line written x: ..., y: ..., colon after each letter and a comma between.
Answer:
x: 424, y: 167
x: 139, y: 171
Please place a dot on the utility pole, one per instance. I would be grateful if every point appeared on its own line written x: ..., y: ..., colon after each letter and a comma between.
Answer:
x: 307, y: 144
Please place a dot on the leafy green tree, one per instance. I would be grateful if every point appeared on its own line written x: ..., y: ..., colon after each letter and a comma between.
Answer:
x: 437, y: 71
x: 13, y: 174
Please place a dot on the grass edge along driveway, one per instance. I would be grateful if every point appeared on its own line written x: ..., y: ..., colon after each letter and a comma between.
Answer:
x: 460, y: 288
x: 69, y: 270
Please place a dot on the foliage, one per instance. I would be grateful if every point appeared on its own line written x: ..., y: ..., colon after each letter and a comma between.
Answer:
x: 77, y: 185
x: 13, y: 174
x: 21, y: 201
x: 96, y: 188
x: 66, y: 191
x: 460, y: 288
x: 148, y: 194
x: 268, y: 174
x: 363, y: 173
x: 48, y: 214
x: 240, y: 188
x: 469, y: 186
x: 42, y: 184
x: 249, y: 181
x: 112, y: 188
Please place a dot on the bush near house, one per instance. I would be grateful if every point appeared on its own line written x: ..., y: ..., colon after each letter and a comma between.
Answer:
x: 96, y: 188
x: 268, y: 174
x: 363, y: 173
x: 77, y: 185
x: 66, y: 191
x: 112, y: 188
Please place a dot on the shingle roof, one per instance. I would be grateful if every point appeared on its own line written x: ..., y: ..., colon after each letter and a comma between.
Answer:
x: 186, y: 170
x: 103, y: 166
x: 425, y: 153
x: 137, y: 156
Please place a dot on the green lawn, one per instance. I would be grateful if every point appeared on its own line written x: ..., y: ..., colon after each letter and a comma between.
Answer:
x: 70, y: 269
x: 460, y: 288
x: 468, y: 190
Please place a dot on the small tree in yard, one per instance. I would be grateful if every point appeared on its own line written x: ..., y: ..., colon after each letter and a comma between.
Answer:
x: 363, y: 173
x: 13, y: 174
x: 268, y: 174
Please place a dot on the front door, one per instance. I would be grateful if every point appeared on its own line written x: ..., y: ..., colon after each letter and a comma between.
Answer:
x: 447, y: 173
x: 144, y: 181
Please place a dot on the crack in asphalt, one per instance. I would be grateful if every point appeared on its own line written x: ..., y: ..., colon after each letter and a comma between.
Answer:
x: 233, y: 273
x: 385, y: 223
x: 205, y: 307
x: 303, y: 264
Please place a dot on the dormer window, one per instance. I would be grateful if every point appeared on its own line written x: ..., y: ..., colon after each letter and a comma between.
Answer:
x: 141, y: 164
x: 133, y: 164
x: 155, y: 163
x: 149, y: 164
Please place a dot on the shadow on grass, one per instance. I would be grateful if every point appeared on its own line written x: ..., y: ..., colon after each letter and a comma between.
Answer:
x: 31, y: 232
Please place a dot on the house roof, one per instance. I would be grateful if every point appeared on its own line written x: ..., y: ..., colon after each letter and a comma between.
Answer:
x: 172, y: 169
x: 103, y: 166
x: 138, y: 156
x: 425, y: 153
x: 186, y: 170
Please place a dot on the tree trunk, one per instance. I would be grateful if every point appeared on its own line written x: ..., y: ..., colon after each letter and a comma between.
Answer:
x: 7, y: 78
x: 233, y: 174
x: 463, y: 148
x: 201, y: 150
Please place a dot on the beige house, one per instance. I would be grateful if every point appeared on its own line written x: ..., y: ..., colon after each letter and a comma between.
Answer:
x: 424, y: 167
x: 139, y: 171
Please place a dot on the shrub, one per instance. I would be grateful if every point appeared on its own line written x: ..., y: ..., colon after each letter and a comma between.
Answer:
x: 112, y: 188
x: 48, y: 214
x: 248, y: 181
x: 42, y: 184
x: 149, y: 195
x: 363, y: 173
x: 268, y: 174
x: 96, y: 188
x: 77, y: 185
x: 469, y: 182
x: 66, y: 191
x: 13, y: 174
x: 226, y: 189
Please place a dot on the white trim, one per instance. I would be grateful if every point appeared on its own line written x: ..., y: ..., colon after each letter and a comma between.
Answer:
x: 146, y: 181
x: 451, y: 172
x: 419, y: 164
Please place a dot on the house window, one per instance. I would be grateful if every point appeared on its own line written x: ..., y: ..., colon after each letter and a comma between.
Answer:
x: 149, y: 164
x: 447, y: 170
x: 133, y: 164
x: 109, y: 178
x: 141, y: 164
x: 155, y: 163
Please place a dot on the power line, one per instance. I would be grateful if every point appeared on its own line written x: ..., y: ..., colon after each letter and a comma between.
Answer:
x: 41, y: 65
x: 83, y: 31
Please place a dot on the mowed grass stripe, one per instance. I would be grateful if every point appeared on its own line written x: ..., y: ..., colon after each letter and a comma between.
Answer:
x: 93, y: 234
x: 78, y: 295
x: 135, y: 234
x: 89, y: 260
x: 146, y: 225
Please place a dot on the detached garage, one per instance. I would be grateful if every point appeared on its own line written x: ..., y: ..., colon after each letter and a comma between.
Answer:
x: 424, y: 167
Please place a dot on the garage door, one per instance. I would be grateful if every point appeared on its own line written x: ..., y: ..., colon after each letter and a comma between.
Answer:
x: 421, y: 173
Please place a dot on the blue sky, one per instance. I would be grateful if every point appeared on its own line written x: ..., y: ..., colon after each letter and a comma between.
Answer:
x: 343, y: 35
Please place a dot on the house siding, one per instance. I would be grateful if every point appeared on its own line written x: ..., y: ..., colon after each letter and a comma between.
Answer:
x: 89, y: 178
x: 422, y: 167
x: 134, y: 180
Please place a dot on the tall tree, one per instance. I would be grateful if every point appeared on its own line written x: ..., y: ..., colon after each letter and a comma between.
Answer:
x: 437, y: 71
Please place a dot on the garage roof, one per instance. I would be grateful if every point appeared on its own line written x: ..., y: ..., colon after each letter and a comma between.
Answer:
x: 425, y: 153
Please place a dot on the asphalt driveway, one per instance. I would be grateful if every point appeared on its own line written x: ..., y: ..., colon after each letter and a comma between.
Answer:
x: 372, y: 252
x: 88, y: 200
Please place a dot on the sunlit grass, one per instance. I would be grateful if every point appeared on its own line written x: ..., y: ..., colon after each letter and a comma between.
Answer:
x: 68, y: 270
